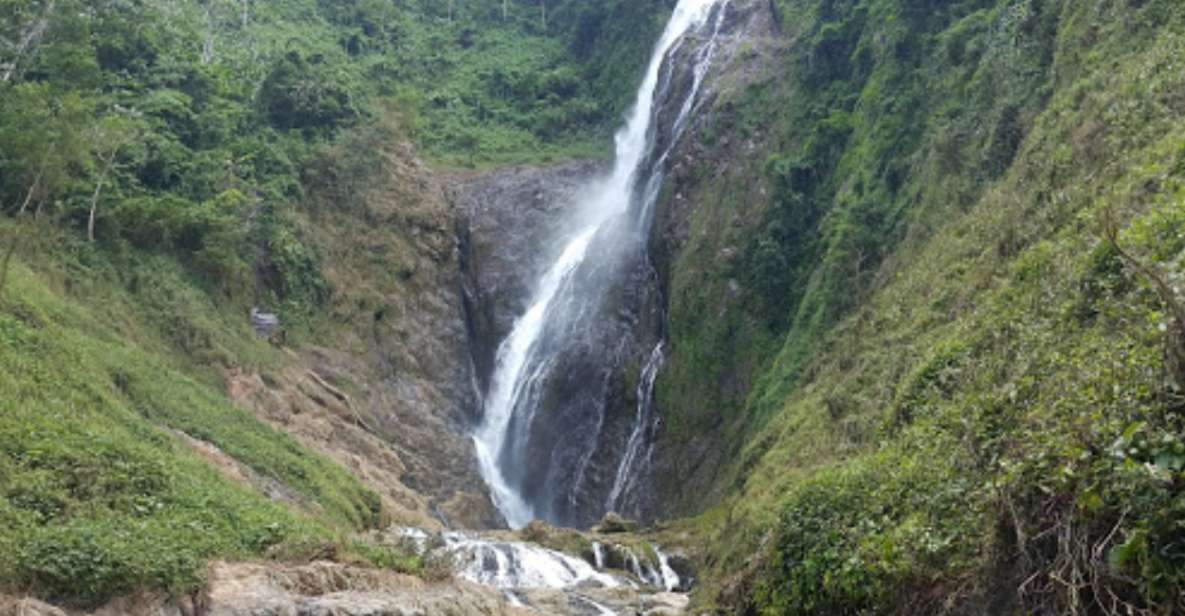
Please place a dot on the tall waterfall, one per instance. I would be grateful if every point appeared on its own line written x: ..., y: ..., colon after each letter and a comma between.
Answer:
x: 610, y: 225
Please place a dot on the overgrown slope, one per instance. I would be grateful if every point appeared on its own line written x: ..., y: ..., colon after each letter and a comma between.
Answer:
x: 106, y: 417
x: 919, y: 375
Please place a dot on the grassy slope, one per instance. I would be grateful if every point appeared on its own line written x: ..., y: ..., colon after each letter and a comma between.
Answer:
x: 994, y: 413
x: 100, y: 496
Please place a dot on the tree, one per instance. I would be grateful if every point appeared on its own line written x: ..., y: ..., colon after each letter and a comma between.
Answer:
x: 109, y: 137
x: 40, y: 142
x: 27, y: 38
x: 41, y: 137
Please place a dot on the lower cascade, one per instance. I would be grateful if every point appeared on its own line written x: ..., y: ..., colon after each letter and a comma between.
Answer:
x: 521, y: 570
x: 511, y: 564
x: 545, y: 447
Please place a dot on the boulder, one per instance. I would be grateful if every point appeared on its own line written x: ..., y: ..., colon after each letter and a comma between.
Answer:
x: 613, y: 523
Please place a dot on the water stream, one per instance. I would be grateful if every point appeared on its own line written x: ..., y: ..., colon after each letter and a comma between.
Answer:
x: 615, y: 210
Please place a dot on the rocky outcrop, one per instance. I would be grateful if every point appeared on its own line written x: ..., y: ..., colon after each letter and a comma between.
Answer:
x: 299, y: 402
x: 514, y: 223
x: 314, y: 589
x: 389, y: 390
x: 323, y: 589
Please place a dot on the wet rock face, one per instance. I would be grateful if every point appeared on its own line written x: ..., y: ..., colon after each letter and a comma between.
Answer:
x: 508, y: 224
x: 512, y: 227
x: 693, y: 219
x: 587, y: 405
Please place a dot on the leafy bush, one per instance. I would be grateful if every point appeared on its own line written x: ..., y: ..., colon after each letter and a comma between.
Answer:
x: 853, y: 538
x: 305, y: 94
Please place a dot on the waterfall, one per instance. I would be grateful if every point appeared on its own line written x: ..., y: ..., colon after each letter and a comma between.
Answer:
x: 565, y: 299
x: 516, y: 565
x: 634, y: 446
x: 670, y: 579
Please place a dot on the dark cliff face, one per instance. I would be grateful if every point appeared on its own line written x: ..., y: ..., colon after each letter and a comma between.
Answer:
x: 587, y: 405
x: 511, y: 226
x: 509, y: 223
x: 701, y: 219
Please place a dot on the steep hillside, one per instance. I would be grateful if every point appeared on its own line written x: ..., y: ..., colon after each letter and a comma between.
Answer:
x: 924, y: 266
x: 109, y: 428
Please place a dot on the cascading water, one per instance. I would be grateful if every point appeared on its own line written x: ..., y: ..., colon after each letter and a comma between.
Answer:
x: 633, y: 449
x: 534, y: 362
x: 510, y: 564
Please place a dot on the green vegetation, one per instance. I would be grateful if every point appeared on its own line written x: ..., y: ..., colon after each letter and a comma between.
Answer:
x: 184, y: 128
x: 942, y: 386
x: 97, y: 383
x: 940, y: 369
x: 159, y: 163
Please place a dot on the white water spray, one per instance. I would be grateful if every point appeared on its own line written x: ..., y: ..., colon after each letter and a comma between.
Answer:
x: 516, y: 367
x: 515, y: 565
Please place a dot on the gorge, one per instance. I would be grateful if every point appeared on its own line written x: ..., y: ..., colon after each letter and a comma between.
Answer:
x: 592, y: 307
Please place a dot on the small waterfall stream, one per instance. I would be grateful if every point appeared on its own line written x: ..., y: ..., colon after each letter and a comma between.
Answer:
x: 613, y: 216
x: 633, y: 456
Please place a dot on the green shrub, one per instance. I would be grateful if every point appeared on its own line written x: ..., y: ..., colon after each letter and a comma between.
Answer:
x: 853, y: 538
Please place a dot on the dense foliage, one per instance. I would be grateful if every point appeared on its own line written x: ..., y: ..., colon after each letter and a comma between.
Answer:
x: 927, y: 345
x: 183, y: 127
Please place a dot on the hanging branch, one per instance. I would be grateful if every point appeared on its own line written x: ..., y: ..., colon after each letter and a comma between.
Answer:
x: 1175, y: 342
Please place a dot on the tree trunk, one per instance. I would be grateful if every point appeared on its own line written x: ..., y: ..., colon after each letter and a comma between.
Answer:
x: 208, y: 44
x: 32, y: 36
x: 4, y: 263
x: 90, y: 225
x: 543, y: 12
x: 32, y: 189
x: 505, y: 9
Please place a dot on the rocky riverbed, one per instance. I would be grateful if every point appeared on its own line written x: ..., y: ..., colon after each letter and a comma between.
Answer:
x: 539, y: 570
